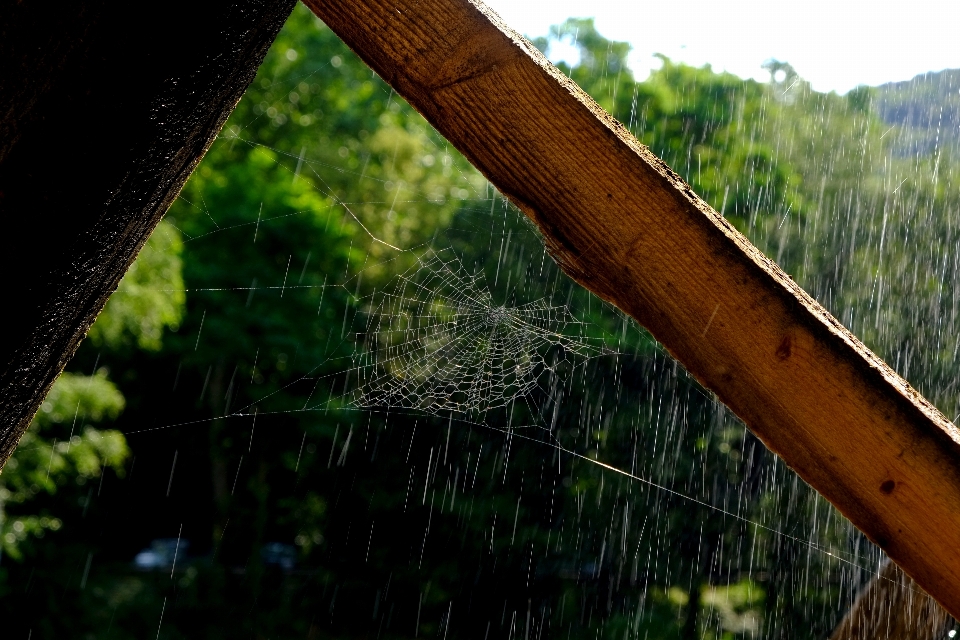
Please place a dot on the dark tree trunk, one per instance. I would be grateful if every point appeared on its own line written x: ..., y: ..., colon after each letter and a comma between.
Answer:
x: 105, y: 109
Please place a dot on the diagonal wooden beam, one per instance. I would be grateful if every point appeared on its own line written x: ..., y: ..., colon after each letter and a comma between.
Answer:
x: 105, y: 109
x: 625, y: 226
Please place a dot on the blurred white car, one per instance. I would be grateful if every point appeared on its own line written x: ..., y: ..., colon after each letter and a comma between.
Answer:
x: 162, y: 554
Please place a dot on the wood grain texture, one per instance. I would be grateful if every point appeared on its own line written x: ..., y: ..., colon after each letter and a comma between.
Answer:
x: 892, y: 607
x: 105, y: 109
x: 625, y: 226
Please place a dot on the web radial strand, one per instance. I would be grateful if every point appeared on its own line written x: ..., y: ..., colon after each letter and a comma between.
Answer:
x: 437, y: 342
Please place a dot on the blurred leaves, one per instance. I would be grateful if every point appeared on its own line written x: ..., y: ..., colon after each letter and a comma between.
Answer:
x: 75, y: 397
x: 47, y: 457
x: 150, y: 298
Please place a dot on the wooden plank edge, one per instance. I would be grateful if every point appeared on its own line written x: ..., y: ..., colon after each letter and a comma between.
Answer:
x: 119, y: 187
x: 892, y: 606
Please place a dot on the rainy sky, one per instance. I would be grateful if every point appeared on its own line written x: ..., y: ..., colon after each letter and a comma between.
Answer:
x: 834, y: 45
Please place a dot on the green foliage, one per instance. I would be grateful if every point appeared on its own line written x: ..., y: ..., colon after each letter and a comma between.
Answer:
x: 602, y: 69
x: 150, y: 298
x: 860, y: 98
x: 74, y: 397
x: 47, y: 457
x: 387, y: 159
x: 923, y: 113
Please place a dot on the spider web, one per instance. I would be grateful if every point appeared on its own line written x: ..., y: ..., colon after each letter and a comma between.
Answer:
x: 437, y: 341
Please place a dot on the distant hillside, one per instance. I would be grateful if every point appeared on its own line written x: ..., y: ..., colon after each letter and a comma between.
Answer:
x: 928, y: 109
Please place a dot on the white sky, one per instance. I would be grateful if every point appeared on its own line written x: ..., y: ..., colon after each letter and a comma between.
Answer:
x: 835, y: 45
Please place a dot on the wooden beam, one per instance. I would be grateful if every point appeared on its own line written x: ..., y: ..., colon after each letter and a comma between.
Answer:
x: 892, y: 606
x: 625, y: 226
x: 105, y: 109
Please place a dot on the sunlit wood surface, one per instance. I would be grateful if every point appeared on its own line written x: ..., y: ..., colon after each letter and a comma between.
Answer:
x: 625, y: 226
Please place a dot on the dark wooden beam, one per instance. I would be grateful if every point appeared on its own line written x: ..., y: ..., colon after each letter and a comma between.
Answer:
x: 105, y: 109
x: 625, y: 226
